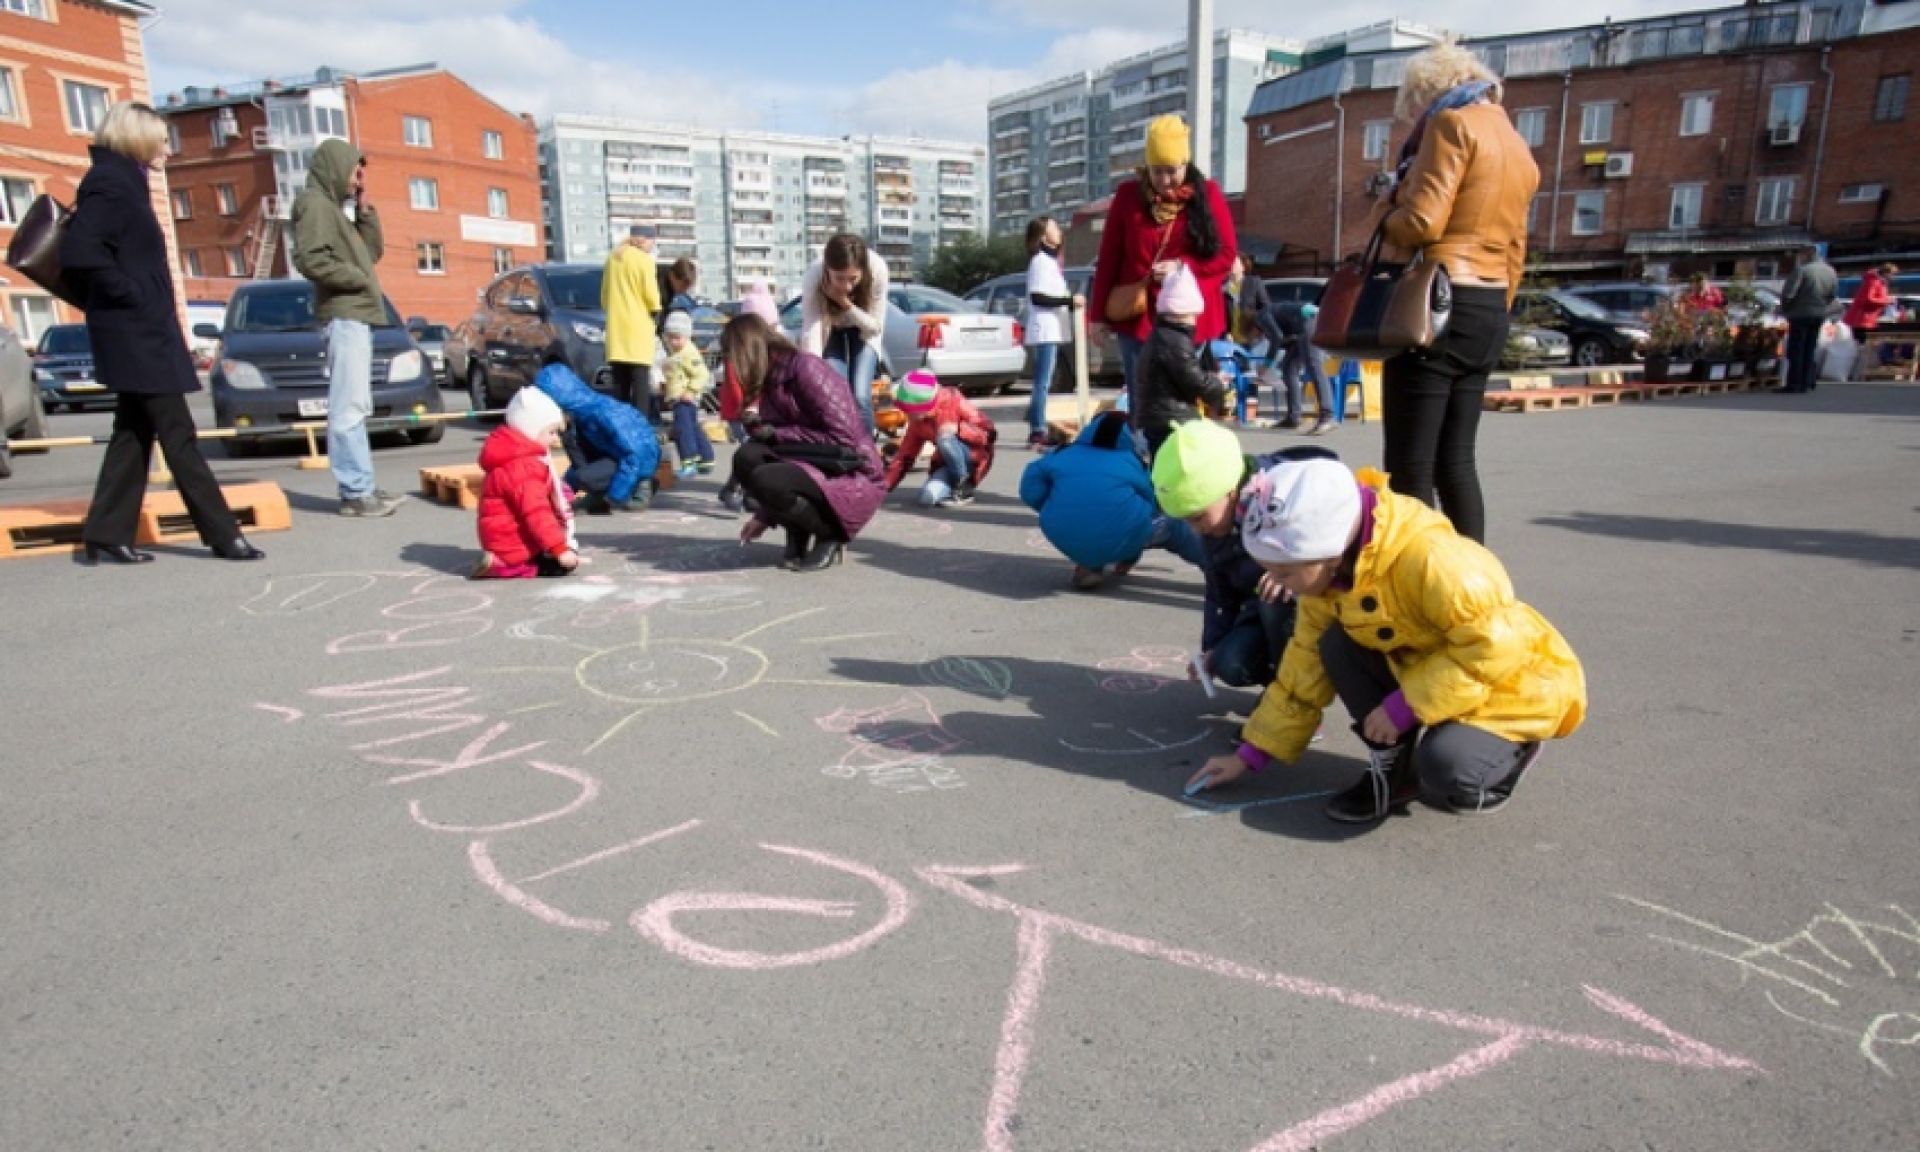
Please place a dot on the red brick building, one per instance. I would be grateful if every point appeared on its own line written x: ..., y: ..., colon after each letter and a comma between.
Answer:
x: 455, y: 177
x: 63, y: 63
x: 1708, y: 141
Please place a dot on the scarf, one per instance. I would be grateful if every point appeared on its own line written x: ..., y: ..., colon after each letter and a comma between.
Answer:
x: 1166, y: 209
x: 1472, y: 92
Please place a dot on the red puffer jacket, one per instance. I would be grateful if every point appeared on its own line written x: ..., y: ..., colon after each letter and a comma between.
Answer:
x: 517, y: 519
x: 976, y: 431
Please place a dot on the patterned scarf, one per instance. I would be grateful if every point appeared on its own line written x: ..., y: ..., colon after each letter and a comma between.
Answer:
x: 1166, y: 209
x: 1472, y: 92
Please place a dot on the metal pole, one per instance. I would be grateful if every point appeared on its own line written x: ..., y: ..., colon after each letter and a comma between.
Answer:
x: 1076, y: 315
x: 1200, y: 81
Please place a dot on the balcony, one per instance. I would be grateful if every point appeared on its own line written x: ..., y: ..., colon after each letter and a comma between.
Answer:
x: 268, y: 140
x: 954, y: 187
x: 827, y: 188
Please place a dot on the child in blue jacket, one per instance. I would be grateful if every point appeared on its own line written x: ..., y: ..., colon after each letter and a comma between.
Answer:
x: 1095, y: 500
x: 613, y: 448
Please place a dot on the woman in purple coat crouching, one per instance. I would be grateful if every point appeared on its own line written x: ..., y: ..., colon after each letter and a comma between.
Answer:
x: 809, y: 464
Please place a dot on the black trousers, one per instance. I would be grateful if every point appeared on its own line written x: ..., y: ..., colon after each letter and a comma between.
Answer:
x: 633, y: 383
x: 1803, y: 349
x: 788, y: 494
x: 139, y: 419
x: 1430, y: 407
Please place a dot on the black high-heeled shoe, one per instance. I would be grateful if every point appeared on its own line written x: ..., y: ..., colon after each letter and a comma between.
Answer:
x: 118, y: 553
x: 798, y: 545
x: 239, y: 549
x: 825, y: 554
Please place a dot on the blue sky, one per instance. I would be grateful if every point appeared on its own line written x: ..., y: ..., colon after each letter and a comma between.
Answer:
x: 811, y: 66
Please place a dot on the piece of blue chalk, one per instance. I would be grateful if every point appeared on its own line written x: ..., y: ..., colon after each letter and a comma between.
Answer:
x: 1193, y: 789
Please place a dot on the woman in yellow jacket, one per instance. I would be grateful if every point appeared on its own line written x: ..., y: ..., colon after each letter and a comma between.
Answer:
x: 1415, y: 628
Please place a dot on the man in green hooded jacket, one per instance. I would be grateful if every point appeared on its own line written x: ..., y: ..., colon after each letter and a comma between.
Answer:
x: 336, y: 242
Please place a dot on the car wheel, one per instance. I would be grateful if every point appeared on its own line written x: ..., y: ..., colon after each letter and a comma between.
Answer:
x: 1590, y: 353
x: 429, y: 435
x: 479, y: 397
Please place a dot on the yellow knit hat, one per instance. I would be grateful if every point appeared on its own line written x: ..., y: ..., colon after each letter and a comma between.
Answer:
x: 1168, y: 143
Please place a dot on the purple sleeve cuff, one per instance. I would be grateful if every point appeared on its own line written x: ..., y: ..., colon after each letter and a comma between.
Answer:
x: 1252, y: 757
x: 1398, y: 712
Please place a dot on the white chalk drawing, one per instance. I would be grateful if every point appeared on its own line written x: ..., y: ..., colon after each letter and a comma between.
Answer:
x: 899, y: 746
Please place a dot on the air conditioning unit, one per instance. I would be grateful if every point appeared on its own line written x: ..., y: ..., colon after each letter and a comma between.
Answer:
x: 229, y: 123
x: 1781, y: 135
x: 1619, y: 165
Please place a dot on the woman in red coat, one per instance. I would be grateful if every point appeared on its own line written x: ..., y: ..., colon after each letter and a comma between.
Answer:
x: 1168, y: 214
x: 1863, y: 312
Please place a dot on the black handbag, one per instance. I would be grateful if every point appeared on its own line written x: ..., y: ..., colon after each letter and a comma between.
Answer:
x: 830, y: 459
x: 35, y: 249
x: 1375, y: 307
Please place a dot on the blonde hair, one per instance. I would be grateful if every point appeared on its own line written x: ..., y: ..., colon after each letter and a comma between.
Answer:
x: 134, y: 130
x: 1433, y: 73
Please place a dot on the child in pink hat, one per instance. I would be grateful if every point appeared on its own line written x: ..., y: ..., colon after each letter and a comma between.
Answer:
x: 1169, y: 382
x: 961, y: 435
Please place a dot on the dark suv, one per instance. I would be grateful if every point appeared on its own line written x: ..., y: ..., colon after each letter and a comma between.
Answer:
x: 271, y: 367
x: 522, y: 314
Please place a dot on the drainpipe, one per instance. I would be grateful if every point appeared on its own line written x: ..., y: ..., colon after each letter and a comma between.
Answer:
x: 1339, y: 164
x: 1820, y: 149
x: 1560, y: 159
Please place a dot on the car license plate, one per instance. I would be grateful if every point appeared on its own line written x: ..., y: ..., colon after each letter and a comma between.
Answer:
x: 982, y: 336
x: 313, y: 407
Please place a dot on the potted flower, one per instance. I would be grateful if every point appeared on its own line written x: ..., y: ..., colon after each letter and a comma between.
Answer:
x: 1669, y: 338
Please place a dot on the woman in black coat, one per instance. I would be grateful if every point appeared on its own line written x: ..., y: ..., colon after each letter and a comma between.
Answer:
x: 115, y: 248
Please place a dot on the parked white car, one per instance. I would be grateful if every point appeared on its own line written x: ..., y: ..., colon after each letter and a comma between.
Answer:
x: 978, y: 353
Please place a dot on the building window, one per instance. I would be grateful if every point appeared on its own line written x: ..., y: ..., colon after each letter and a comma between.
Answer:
x: 9, y: 103
x: 217, y: 131
x: 1788, y: 107
x: 1696, y: 114
x: 1890, y: 99
x: 423, y: 193
x: 1775, y: 203
x: 1531, y: 123
x: 1684, y: 212
x: 417, y: 131
x: 1849, y: 193
x: 1533, y: 214
x: 190, y: 262
x: 502, y: 260
x: 34, y: 8
x: 183, y: 204
x: 173, y: 138
x: 16, y: 196
x: 1589, y: 213
x: 1596, y: 123
x: 430, y: 259
x: 229, y: 203
x: 236, y: 261
x: 1373, y: 139
x: 86, y: 105
x: 497, y: 203
x: 492, y: 145
x: 32, y: 316
x: 330, y: 122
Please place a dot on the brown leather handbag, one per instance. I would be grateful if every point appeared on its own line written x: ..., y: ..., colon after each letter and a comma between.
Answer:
x: 35, y: 249
x: 1374, y: 308
x: 1128, y: 302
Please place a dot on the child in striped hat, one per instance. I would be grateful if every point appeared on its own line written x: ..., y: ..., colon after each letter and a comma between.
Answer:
x: 961, y: 435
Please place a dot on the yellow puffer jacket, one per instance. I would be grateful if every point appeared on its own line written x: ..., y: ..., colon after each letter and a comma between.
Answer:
x: 630, y: 296
x: 1442, y: 609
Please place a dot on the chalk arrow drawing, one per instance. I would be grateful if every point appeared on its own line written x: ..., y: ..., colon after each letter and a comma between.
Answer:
x: 1503, y: 1039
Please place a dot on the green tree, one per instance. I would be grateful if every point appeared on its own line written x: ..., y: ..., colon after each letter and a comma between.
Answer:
x: 966, y: 263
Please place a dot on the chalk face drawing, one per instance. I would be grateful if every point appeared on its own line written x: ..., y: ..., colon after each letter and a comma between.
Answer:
x: 1855, y: 976
x: 1142, y: 672
x: 969, y: 674
x: 671, y: 671
x: 899, y: 746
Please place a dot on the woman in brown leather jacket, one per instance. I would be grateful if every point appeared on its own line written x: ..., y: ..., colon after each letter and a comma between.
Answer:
x: 1465, y: 180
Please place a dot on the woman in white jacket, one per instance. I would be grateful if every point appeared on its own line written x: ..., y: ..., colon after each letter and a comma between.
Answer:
x: 843, y: 314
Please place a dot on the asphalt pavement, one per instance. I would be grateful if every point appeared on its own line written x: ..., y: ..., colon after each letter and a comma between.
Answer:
x: 340, y: 851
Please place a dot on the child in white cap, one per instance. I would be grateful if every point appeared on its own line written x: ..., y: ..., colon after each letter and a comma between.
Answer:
x: 1417, y: 631
x: 685, y: 379
x: 1169, y: 382
x: 526, y: 517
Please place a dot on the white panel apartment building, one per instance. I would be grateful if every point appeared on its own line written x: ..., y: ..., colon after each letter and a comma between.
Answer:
x: 754, y: 206
x: 1065, y: 143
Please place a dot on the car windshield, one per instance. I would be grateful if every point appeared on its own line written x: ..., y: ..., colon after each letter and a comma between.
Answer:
x: 579, y: 290
x: 430, y: 332
x: 67, y: 340
x: 920, y: 300
x: 1580, y: 306
x: 283, y: 310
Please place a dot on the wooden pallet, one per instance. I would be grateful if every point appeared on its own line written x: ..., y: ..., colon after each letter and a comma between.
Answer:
x: 54, y: 527
x: 1537, y: 400
x: 455, y: 484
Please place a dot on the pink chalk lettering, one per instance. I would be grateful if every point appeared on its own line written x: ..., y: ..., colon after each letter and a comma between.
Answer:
x: 475, y: 601
x: 287, y: 596
x: 589, y: 789
x: 1039, y: 930
x: 480, y: 856
x: 436, y: 705
x: 432, y: 634
x: 468, y: 757
x: 287, y: 715
x: 656, y: 920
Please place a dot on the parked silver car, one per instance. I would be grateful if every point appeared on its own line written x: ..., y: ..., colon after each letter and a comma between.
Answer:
x: 1007, y: 296
x: 22, y: 415
x: 977, y: 353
